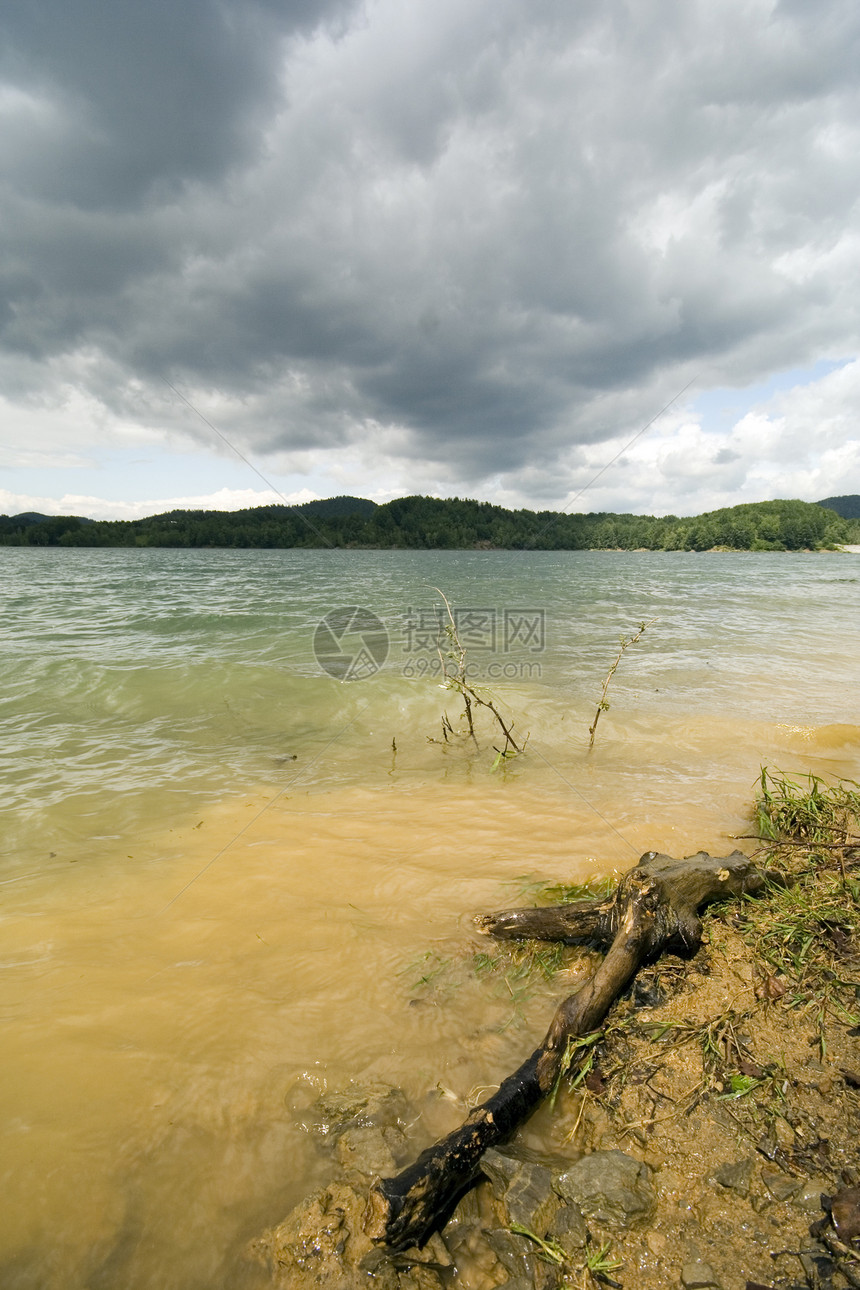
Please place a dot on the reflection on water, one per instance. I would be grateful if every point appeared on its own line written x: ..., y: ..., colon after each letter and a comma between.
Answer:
x: 197, y: 928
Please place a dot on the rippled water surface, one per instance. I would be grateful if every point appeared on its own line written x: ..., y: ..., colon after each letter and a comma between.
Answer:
x: 225, y: 872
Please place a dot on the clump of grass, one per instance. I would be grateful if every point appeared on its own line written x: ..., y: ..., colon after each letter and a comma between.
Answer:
x: 578, y: 1060
x: 541, y: 892
x: 518, y: 966
x: 521, y: 966
x: 427, y: 970
x: 598, y: 1259
x: 807, y: 811
x: 599, y: 1262
x: 548, y: 1250
x: 807, y: 928
x: 522, y: 959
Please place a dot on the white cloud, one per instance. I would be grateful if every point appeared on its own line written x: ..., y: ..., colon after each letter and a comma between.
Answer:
x: 802, y: 442
x: 99, y: 508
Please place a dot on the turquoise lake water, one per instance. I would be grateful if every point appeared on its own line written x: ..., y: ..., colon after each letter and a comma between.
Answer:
x: 136, y: 683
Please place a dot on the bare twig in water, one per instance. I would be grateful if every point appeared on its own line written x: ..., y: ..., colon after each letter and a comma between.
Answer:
x: 603, y: 703
x: 454, y: 674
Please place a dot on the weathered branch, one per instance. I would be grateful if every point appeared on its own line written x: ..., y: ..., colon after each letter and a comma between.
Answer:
x: 576, y: 923
x: 655, y: 908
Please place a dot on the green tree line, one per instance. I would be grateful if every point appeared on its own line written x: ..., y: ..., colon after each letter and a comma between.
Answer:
x: 451, y: 523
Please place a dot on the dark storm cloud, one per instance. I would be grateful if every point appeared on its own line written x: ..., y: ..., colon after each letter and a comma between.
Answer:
x: 136, y: 94
x: 500, y: 228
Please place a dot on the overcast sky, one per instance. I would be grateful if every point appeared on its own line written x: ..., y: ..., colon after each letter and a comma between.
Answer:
x: 462, y: 247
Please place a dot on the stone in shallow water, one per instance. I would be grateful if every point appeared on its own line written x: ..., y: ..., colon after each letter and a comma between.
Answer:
x: 518, y: 1256
x: 322, y: 1243
x: 370, y: 1150
x: 610, y: 1187
x: 568, y: 1229
x: 523, y: 1190
x: 367, y: 1105
x: 845, y: 1211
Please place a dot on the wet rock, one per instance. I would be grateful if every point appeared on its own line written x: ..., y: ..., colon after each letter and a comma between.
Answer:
x: 370, y: 1150
x: 568, y: 1229
x: 817, y: 1269
x: 469, y: 1211
x: 736, y: 1176
x: 322, y: 1242
x: 370, y: 1105
x: 647, y: 991
x: 610, y: 1187
x: 518, y: 1256
x: 699, y: 1276
x: 418, y: 1278
x: 473, y: 1258
x: 434, y: 1255
x: 780, y: 1185
x: 808, y: 1197
x: 845, y: 1212
x: 523, y: 1190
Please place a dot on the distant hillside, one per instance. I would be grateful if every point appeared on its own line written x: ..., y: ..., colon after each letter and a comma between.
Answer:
x: 36, y: 517
x: 30, y: 517
x: 332, y: 507
x: 848, y: 507
x: 454, y: 523
x: 31, y: 528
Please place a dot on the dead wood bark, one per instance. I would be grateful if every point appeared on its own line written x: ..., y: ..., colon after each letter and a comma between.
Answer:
x: 655, y: 908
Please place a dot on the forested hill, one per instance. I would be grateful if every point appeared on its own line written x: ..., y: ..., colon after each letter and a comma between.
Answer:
x: 847, y: 506
x: 428, y: 522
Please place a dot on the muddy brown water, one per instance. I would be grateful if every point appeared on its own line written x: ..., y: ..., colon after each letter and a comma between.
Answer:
x: 169, y: 1022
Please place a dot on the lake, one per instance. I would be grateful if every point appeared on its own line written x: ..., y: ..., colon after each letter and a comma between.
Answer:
x: 240, y: 859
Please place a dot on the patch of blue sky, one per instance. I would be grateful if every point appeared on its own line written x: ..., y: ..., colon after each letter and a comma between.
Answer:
x: 119, y: 475
x: 719, y: 409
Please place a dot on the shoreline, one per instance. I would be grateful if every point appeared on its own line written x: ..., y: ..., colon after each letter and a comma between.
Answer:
x: 707, y: 1137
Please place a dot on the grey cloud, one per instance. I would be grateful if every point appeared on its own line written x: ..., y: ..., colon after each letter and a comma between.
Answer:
x: 139, y: 94
x: 500, y: 229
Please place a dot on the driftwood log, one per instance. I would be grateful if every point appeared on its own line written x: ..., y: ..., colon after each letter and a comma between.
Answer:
x: 655, y: 908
